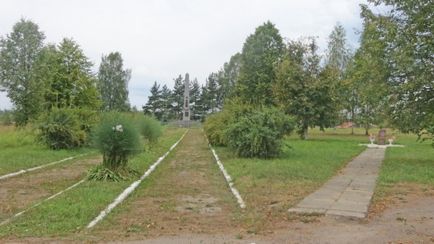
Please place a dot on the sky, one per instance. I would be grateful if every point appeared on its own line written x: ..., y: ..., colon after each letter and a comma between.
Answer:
x: 160, y: 39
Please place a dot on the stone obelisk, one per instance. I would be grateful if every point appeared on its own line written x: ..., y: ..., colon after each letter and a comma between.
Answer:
x: 186, y: 110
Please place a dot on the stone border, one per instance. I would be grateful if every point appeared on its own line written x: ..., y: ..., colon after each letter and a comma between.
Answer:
x: 39, y: 203
x: 131, y: 188
x: 228, y: 178
x: 38, y: 167
x: 381, y: 146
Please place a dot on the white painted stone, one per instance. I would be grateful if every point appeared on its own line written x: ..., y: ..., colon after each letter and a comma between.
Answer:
x: 228, y: 178
x: 38, y: 167
x: 39, y: 203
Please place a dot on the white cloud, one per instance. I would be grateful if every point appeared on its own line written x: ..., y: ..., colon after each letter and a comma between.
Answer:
x: 164, y: 38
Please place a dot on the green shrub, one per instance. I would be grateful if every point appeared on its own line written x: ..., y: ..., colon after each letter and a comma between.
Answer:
x: 117, y: 139
x: 61, y: 128
x: 150, y: 128
x: 216, y: 124
x: 259, y: 133
x: 214, y: 127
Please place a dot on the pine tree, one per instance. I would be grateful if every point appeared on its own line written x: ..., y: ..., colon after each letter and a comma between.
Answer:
x: 165, y: 103
x: 177, y: 98
x: 154, y: 105
x: 194, y: 99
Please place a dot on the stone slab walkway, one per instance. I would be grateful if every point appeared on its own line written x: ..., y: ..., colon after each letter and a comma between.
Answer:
x: 349, y: 193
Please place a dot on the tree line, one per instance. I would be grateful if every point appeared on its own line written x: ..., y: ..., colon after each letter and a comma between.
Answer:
x: 166, y: 104
x: 386, y: 81
x: 39, y: 77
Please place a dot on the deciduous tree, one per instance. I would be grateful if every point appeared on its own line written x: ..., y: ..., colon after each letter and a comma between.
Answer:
x: 113, y: 83
x: 19, y: 51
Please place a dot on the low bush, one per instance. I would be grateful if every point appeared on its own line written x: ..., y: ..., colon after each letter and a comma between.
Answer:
x: 150, y: 128
x: 117, y: 138
x: 259, y: 133
x: 216, y: 124
x: 61, y: 129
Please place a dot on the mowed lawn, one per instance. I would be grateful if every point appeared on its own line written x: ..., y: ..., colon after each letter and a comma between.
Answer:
x: 72, y: 211
x: 270, y: 187
x: 19, y: 149
x: 406, y: 170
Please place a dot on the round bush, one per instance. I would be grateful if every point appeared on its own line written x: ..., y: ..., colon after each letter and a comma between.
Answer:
x: 259, y: 133
x: 216, y: 124
x: 150, y: 128
x: 61, y: 129
x: 117, y: 139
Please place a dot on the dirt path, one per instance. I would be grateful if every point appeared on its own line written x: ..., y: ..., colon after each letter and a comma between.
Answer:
x: 22, y: 191
x: 186, y: 194
x: 409, y: 221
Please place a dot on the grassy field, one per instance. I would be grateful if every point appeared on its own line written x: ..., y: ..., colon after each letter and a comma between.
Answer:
x: 20, y: 150
x: 408, y: 170
x: 72, y: 211
x: 269, y: 187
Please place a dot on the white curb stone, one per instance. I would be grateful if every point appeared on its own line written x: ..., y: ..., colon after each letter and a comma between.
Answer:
x: 228, y: 178
x: 39, y: 203
x: 38, y: 167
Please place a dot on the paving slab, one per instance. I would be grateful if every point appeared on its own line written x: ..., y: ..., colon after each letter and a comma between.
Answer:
x: 350, y: 192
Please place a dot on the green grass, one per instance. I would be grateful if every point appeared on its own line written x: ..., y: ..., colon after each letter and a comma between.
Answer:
x: 72, y: 211
x: 311, y: 161
x: 19, y: 150
x: 270, y: 187
x: 412, y: 164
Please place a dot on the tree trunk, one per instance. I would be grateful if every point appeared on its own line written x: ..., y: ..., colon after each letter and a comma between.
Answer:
x: 304, y: 133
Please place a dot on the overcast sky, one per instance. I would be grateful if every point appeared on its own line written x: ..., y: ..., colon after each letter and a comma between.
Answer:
x: 160, y: 39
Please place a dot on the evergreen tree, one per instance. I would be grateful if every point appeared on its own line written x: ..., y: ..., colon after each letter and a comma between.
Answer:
x: 113, y: 83
x: 261, y: 51
x: 154, y: 105
x: 194, y: 99
x: 18, y: 54
x: 177, y: 98
x: 166, y: 103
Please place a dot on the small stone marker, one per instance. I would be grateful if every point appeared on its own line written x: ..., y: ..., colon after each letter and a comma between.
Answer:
x: 381, y: 137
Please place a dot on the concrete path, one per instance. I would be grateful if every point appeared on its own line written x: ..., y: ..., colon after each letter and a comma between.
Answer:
x: 349, y: 193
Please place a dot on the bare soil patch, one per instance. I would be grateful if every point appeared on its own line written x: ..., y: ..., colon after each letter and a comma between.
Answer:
x: 410, y: 220
x: 18, y: 193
